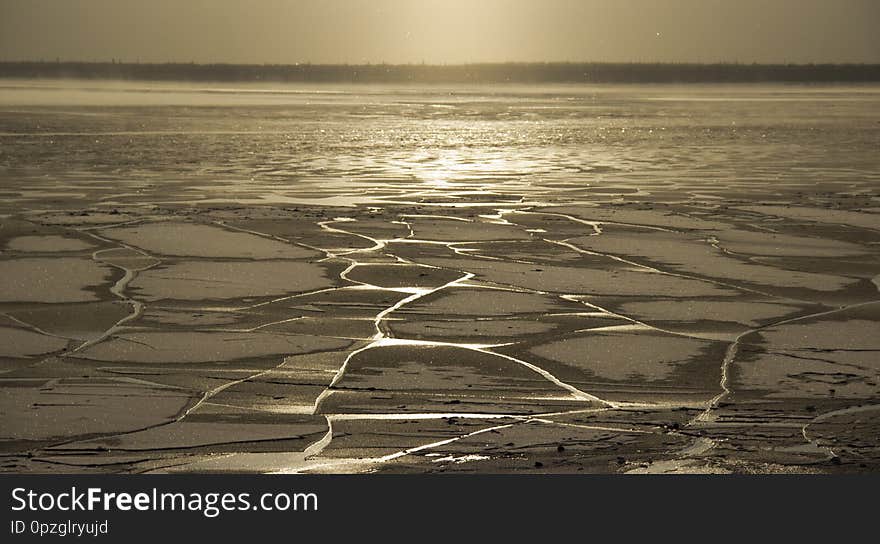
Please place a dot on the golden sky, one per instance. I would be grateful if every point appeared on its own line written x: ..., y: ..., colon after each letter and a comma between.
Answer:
x: 441, y: 31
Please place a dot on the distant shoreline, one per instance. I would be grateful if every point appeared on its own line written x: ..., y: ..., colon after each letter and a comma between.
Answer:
x: 485, y: 73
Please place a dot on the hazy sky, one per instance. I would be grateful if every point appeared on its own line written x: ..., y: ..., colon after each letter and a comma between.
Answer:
x: 441, y: 31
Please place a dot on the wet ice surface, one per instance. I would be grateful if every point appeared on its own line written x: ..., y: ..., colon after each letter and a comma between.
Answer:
x: 615, y: 279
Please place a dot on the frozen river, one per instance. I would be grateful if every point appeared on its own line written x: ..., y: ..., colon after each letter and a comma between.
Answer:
x: 418, y: 279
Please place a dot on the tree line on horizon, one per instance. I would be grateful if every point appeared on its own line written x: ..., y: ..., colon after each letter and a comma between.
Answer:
x: 524, y: 73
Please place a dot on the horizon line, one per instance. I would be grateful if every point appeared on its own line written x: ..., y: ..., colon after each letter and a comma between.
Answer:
x: 117, y: 62
x: 477, y: 73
